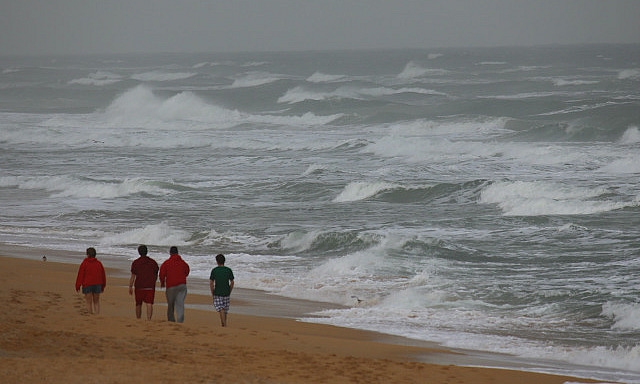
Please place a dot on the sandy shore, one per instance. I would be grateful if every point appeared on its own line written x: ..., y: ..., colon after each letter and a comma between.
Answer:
x: 48, y: 337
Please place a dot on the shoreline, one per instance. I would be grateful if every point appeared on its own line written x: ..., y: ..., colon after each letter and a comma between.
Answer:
x: 250, y: 321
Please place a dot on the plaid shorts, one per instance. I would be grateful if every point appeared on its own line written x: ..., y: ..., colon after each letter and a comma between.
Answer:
x: 221, y: 302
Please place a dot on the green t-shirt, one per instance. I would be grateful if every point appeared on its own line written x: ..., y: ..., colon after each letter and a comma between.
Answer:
x: 221, y: 276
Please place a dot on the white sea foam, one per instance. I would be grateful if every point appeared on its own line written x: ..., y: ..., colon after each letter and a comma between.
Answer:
x: 533, y: 198
x: 571, y: 227
x: 625, y: 316
x: 313, y: 168
x: 582, y: 108
x: 254, y: 79
x: 432, y: 56
x: 300, y: 94
x: 154, y: 234
x: 141, y: 107
x: 530, y: 95
x: 492, y: 63
x: 98, y: 78
x: 361, y: 190
x: 68, y: 186
x: 213, y: 237
x: 567, y: 82
x: 629, y: 74
x: 413, y: 70
x: 299, y: 241
x: 319, y: 77
x: 162, y: 76
x: 254, y: 64
x: 629, y: 164
x: 630, y: 136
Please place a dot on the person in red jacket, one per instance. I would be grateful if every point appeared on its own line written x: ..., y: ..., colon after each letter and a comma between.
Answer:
x: 92, y: 279
x: 173, y: 275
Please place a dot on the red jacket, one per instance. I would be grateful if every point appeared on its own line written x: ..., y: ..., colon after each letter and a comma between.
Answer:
x: 174, y: 271
x: 91, y: 272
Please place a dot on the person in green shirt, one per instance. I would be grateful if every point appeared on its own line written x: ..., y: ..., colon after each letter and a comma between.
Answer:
x: 221, y: 284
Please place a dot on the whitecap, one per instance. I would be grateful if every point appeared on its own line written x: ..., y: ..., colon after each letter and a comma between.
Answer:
x: 413, y: 70
x: 630, y: 136
x: 319, y: 77
x: 162, y: 76
x: 627, y: 74
x: 153, y: 234
x: 626, y: 316
x: 98, y: 78
x: 534, y: 198
x: 360, y: 190
x: 254, y: 79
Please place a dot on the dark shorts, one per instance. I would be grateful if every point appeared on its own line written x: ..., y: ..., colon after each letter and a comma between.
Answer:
x: 92, y: 289
x: 145, y: 295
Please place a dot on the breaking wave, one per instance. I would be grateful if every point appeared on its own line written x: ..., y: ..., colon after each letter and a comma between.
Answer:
x: 68, y: 186
x: 162, y: 76
x: 300, y: 94
x: 535, y: 198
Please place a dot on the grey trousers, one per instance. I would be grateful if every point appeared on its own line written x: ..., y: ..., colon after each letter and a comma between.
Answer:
x: 175, y: 300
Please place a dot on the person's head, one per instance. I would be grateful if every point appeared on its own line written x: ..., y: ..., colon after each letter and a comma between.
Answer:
x: 173, y: 250
x: 142, y: 250
x: 220, y: 259
x: 91, y: 252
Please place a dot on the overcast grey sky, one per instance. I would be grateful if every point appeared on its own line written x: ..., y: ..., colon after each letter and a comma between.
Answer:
x: 115, y: 26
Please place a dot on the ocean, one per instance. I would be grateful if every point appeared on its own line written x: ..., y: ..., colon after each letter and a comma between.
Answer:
x: 484, y: 199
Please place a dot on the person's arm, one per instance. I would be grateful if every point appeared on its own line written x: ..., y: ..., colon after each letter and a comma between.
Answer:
x: 163, y: 275
x: 212, y: 286
x: 230, y: 286
x: 80, y: 277
x: 131, y: 281
x: 104, y: 278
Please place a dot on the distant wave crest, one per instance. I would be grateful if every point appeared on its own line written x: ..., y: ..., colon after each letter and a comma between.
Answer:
x: 413, y: 70
x: 141, y: 107
x: 626, y: 74
x: 98, y: 78
x: 162, y: 76
x: 535, y: 198
x: 300, y: 94
x: 154, y: 234
x: 319, y: 77
x: 360, y: 190
x: 254, y: 79
x: 68, y: 186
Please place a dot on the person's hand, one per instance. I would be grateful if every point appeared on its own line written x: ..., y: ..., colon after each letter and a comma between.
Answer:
x: 130, y: 290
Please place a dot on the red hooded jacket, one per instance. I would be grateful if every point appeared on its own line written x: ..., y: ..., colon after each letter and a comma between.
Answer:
x: 91, y: 272
x: 174, y: 271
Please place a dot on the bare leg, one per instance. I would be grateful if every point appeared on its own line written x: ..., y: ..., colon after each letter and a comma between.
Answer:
x: 96, y: 302
x: 138, y: 311
x: 149, y: 311
x: 88, y: 297
x: 223, y: 318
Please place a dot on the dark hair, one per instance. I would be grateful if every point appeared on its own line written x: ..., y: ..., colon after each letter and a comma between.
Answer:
x: 173, y: 250
x: 220, y: 259
x: 91, y: 252
x: 142, y: 250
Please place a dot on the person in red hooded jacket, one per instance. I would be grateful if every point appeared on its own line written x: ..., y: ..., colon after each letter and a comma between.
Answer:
x: 92, y: 279
x: 173, y: 275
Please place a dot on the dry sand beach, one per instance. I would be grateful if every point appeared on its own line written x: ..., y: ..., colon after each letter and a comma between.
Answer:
x: 48, y: 337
